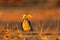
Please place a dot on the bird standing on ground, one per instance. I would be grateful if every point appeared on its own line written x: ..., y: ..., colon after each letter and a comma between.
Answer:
x: 26, y: 24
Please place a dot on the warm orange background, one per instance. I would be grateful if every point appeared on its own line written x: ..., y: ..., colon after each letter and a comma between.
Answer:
x: 15, y: 14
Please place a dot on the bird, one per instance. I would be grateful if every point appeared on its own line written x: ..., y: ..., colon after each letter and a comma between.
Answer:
x: 26, y: 24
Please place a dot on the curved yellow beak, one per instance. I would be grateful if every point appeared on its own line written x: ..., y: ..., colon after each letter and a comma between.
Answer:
x: 27, y: 16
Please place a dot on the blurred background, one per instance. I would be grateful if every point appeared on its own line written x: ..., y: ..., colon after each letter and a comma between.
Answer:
x: 45, y: 15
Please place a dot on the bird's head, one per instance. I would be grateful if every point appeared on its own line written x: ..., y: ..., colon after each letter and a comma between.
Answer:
x: 27, y: 16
